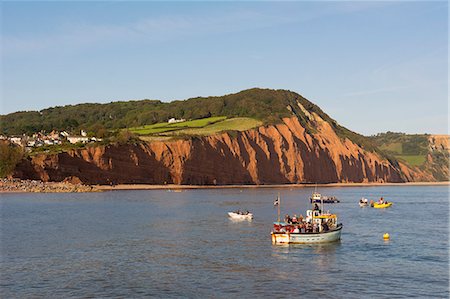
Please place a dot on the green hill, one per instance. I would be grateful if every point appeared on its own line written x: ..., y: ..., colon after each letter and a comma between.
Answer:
x: 262, y: 104
x: 412, y: 149
x: 266, y: 106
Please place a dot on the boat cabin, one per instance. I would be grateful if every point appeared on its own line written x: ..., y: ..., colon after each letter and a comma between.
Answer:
x: 315, y: 222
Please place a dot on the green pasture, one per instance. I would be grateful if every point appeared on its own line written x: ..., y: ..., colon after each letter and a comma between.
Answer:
x: 204, y: 126
x: 395, y: 147
x: 414, y: 160
x: 232, y: 124
x: 166, y: 127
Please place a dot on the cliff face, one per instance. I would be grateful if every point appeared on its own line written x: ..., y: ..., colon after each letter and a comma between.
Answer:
x: 275, y: 154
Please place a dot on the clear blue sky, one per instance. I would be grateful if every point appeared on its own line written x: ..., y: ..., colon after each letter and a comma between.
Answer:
x: 372, y: 66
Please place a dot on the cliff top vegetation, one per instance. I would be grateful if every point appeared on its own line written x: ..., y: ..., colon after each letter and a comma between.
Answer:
x: 265, y: 105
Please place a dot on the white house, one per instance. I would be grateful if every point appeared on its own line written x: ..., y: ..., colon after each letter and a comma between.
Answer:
x: 16, y: 140
x: 174, y: 120
x: 76, y: 139
x: 64, y: 134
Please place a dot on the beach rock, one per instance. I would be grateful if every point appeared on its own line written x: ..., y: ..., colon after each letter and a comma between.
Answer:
x: 17, y: 185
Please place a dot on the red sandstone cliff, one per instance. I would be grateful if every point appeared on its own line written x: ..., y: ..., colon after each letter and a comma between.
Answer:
x: 275, y: 154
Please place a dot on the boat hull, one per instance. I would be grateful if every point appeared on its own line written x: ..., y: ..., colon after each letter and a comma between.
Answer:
x: 306, y: 238
x: 382, y: 206
x: 324, y: 200
x: 239, y: 216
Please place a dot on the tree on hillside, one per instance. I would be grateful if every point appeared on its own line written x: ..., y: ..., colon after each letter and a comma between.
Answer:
x: 10, y: 155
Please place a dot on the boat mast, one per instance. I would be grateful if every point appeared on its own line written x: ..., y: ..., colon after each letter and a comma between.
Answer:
x: 279, y: 203
x: 321, y: 204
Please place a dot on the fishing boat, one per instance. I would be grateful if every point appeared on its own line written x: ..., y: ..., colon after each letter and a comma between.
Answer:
x: 317, y: 227
x: 238, y: 215
x: 363, y: 202
x: 316, y: 197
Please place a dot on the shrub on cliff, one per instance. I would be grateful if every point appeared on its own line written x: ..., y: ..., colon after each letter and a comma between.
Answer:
x: 126, y: 137
x: 10, y: 155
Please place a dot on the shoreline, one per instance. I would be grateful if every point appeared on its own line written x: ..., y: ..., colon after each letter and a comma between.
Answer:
x: 179, y: 187
x: 51, y: 187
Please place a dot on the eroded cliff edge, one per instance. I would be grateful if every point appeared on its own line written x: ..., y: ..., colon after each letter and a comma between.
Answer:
x: 274, y: 154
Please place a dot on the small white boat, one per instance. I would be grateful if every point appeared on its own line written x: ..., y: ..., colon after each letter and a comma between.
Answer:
x: 363, y: 202
x: 240, y: 215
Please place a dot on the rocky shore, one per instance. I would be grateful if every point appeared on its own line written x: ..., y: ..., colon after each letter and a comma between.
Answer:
x: 17, y: 185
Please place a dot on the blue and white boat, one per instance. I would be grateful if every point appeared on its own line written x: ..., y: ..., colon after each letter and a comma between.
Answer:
x: 317, y: 227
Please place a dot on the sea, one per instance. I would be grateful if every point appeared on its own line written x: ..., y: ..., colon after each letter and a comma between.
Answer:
x: 167, y: 244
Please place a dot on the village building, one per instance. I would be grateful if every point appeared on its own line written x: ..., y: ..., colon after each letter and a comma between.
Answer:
x: 16, y: 140
x: 174, y: 120
x: 77, y: 139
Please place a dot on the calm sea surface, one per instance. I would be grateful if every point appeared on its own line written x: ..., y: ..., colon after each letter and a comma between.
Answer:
x: 125, y: 244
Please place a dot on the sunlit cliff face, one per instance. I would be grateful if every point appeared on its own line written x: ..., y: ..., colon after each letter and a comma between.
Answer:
x: 275, y: 154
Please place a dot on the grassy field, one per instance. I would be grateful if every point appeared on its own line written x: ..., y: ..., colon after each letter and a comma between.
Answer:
x: 395, y: 147
x: 205, y: 126
x: 414, y: 160
x: 232, y: 124
x: 166, y: 127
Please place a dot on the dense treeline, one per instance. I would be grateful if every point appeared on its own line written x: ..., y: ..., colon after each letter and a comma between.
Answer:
x: 266, y: 105
x: 262, y: 104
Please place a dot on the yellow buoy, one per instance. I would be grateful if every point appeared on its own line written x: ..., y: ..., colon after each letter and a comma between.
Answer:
x: 386, y: 236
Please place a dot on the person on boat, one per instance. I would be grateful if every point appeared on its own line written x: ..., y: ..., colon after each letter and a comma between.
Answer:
x: 315, y: 228
x: 294, y: 219
x: 316, y: 208
x: 287, y: 218
x: 300, y: 218
x: 303, y: 227
x: 325, y: 226
x: 296, y: 230
x: 381, y: 201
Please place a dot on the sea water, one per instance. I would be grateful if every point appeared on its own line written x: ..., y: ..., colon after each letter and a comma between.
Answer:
x: 159, y: 243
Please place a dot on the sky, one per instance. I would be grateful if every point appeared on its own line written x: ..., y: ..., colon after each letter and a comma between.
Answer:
x: 372, y: 66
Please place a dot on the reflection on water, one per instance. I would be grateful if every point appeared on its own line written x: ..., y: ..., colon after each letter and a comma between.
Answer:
x: 183, y: 244
x: 322, y: 255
